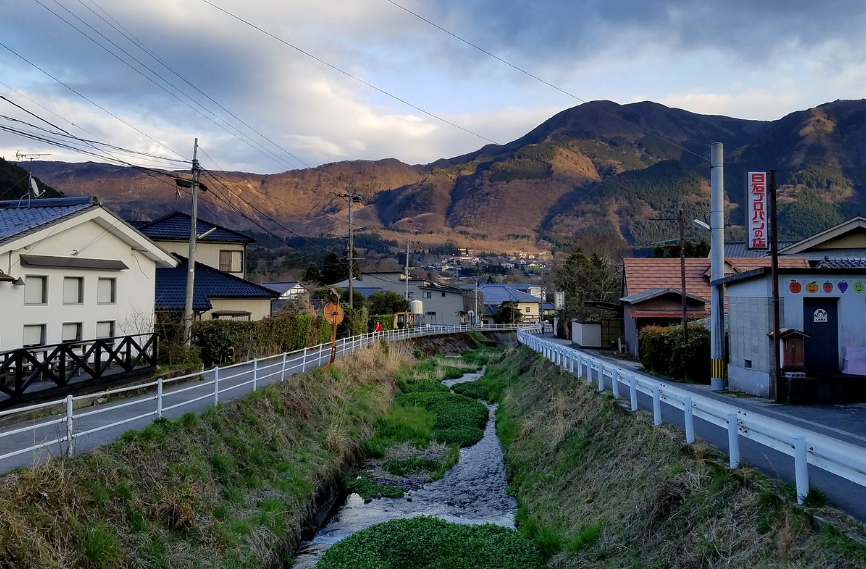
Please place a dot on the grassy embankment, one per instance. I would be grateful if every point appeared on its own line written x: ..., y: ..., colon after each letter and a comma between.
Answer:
x: 228, y: 488
x: 599, y: 487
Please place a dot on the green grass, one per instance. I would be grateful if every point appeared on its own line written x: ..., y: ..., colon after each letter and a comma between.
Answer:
x: 367, y: 488
x: 490, y: 386
x: 432, y: 543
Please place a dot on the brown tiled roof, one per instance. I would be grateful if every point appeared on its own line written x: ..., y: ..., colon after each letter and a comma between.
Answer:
x: 644, y: 274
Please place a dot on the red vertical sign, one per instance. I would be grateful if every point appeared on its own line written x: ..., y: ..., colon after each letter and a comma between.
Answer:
x: 756, y: 211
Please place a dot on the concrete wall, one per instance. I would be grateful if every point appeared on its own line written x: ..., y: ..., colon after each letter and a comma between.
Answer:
x: 206, y: 253
x: 257, y: 307
x: 132, y: 311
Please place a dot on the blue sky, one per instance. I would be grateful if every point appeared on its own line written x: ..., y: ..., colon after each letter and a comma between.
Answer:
x: 758, y: 59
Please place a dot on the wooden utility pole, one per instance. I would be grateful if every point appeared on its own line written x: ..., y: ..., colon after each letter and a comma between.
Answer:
x: 350, y: 254
x: 683, y: 277
x: 776, y: 387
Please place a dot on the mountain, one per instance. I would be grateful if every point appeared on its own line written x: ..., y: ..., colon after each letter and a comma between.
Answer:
x: 14, y: 183
x: 596, y: 173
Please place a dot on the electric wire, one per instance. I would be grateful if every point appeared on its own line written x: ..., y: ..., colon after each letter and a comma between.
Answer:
x: 150, y: 79
x: 539, y: 79
x: 126, y: 33
x: 98, y: 106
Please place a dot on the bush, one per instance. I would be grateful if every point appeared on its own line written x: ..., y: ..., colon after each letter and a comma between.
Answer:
x: 662, y: 351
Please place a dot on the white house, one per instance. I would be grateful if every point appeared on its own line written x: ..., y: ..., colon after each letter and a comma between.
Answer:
x: 72, y: 270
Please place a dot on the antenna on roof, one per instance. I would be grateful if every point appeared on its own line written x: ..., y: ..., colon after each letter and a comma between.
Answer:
x: 32, y: 188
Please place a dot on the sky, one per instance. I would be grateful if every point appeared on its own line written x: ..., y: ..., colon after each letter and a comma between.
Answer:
x: 273, y: 85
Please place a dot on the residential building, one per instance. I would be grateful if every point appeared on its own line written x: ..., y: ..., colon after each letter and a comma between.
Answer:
x: 218, y: 247
x: 216, y: 294
x: 72, y: 270
x: 652, y: 290
x: 495, y: 295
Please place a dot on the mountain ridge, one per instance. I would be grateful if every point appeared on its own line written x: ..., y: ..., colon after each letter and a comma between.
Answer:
x: 595, y: 172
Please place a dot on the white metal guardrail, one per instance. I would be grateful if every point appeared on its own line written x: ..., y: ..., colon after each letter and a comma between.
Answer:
x: 806, y: 447
x: 224, y: 380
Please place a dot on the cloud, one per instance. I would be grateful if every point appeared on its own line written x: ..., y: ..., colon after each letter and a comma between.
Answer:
x: 739, y: 57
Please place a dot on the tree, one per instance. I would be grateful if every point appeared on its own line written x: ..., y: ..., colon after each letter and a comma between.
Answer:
x: 312, y: 274
x: 584, y: 278
x: 508, y: 313
x: 334, y: 269
x: 387, y: 302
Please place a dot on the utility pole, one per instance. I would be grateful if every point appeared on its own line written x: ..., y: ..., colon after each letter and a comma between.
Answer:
x: 190, y: 276
x: 407, y: 268
x: 475, y: 322
x: 717, y: 266
x: 683, y: 277
x: 777, y: 389
x: 350, y: 254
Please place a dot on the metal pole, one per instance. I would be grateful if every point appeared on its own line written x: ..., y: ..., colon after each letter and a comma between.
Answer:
x: 632, y: 387
x: 777, y: 389
x: 801, y: 468
x: 733, y: 441
x: 683, y: 277
x: 689, y: 419
x: 216, y: 386
x: 657, y: 405
x: 717, y: 266
x: 190, y: 276
x: 69, y: 426
x: 159, y: 398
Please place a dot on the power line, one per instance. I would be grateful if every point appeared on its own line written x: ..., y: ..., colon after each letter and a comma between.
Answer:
x: 537, y: 78
x: 98, y: 106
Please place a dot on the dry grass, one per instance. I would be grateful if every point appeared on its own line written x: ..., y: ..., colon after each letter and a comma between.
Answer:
x: 599, y: 487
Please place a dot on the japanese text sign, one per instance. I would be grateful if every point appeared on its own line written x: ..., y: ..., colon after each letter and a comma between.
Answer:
x: 756, y: 211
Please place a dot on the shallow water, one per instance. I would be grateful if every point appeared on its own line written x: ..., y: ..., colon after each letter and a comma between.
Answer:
x: 473, y: 492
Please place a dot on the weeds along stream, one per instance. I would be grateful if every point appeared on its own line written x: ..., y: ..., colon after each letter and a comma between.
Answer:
x: 471, y: 492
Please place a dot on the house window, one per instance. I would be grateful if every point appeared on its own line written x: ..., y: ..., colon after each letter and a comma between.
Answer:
x: 36, y: 290
x: 428, y: 294
x: 71, y: 332
x: 528, y: 310
x: 231, y: 315
x: 232, y: 261
x: 443, y: 295
x: 106, y: 291
x: 105, y: 329
x: 411, y: 295
x: 73, y: 290
x: 431, y: 317
x: 34, y: 335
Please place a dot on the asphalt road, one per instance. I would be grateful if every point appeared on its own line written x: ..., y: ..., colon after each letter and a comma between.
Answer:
x: 843, y: 422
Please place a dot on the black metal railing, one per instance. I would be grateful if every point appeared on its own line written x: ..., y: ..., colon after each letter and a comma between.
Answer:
x: 55, y: 367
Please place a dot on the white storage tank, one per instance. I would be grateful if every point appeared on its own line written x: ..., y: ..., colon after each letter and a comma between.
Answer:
x: 416, y: 307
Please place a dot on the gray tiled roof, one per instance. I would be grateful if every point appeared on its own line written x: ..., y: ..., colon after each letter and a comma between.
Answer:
x: 842, y: 263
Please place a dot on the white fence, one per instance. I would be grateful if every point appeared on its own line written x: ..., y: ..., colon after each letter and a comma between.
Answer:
x: 806, y: 447
x: 224, y: 380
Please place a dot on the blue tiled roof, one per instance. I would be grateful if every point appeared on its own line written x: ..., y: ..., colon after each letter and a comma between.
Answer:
x: 739, y: 250
x: 17, y: 218
x: 209, y: 282
x: 175, y: 226
x: 496, y: 294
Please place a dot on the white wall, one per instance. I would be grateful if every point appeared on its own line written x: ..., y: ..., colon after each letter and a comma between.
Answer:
x: 132, y: 311
x: 206, y: 253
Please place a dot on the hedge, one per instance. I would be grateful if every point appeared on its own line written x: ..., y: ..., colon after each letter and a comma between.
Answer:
x: 227, y: 341
x: 662, y: 351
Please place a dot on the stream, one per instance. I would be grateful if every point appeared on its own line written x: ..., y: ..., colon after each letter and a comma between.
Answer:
x: 472, y: 492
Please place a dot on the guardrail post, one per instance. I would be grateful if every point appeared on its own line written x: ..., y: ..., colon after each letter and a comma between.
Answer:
x: 571, y: 362
x: 69, y: 427
x: 590, y: 367
x: 657, y: 405
x: 600, y: 377
x: 216, y: 386
x: 319, y: 360
x: 255, y: 373
x: 689, y: 419
x: 632, y: 385
x: 733, y: 441
x: 614, y: 382
x: 283, y: 370
x: 801, y: 468
x: 159, y: 398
